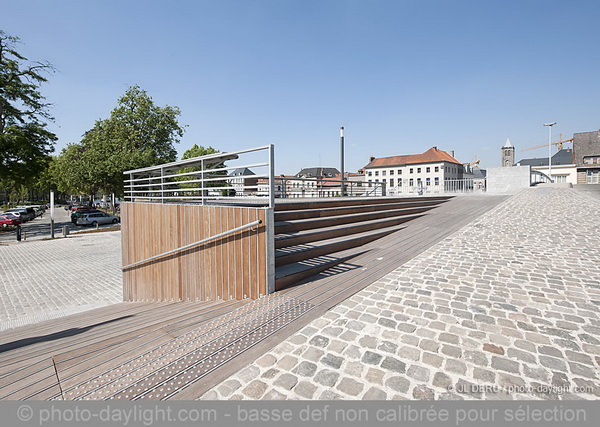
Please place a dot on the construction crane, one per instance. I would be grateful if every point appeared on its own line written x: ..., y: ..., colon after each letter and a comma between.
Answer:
x: 475, y: 162
x: 560, y: 143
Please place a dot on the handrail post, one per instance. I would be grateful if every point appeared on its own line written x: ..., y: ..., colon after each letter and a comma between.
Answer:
x: 202, y: 182
x: 131, y: 196
x: 162, y: 185
x: 270, y: 224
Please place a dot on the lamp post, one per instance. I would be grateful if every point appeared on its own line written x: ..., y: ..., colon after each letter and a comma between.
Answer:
x: 342, y: 157
x: 550, y: 148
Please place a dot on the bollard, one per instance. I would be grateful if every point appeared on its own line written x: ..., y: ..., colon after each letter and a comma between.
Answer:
x: 65, y: 230
x: 18, y: 233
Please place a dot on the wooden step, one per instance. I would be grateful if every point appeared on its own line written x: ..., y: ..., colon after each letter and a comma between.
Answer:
x: 303, y: 252
x: 313, y: 223
x: 287, y: 205
x: 351, y: 209
x: 307, y: 236
x: 292, y: 274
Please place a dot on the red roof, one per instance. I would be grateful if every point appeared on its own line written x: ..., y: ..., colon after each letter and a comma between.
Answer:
x: 430, y: 156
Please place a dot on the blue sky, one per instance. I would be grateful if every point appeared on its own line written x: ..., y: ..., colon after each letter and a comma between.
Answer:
x: 401, y: 76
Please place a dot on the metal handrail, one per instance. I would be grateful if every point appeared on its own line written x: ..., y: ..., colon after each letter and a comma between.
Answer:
x: 191, y: 245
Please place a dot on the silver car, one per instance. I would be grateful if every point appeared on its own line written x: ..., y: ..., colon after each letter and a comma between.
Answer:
x: 96, y: 218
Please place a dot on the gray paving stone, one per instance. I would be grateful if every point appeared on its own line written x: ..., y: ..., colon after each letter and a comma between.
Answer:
x: 305, y: 389
x: 371, y: 358
x: 375, y: 393
x: 399, y: 384
x: 350, y: 386
x: 326, y: 377
x: 255, y: 389
x: 286, y: 381
x: 394, y: 365
x: 319, y: 341
x: 442, y: 380
x: 305, y: 369
x: 505, y: 364
x: 553, y: 363
x: 418, y: 372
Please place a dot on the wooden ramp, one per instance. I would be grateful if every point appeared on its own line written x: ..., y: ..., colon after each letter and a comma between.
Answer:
x: 179, y: 350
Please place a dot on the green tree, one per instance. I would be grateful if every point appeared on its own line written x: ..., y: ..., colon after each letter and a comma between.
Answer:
x: 197, y: 151
x: 25, y: 143
x: 137, y: 134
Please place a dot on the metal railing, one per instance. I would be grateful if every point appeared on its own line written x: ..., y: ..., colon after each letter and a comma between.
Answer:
x: 241, y: 175
x: 463, y: 185
x: 323, y: 187
x: 191, y: 245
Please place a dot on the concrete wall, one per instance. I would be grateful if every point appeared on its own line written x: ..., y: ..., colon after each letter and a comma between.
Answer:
x: 508, y: 180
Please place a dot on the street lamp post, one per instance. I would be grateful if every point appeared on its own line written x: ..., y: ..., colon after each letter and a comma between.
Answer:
x: 550, y: 148
x: 342, y: 157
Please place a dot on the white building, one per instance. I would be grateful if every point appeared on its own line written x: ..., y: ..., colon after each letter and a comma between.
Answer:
x: 434, y: 171
x: 564, y: 169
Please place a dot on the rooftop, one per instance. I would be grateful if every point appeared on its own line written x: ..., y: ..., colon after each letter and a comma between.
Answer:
x: 562, y: 157
x: 430, y: 156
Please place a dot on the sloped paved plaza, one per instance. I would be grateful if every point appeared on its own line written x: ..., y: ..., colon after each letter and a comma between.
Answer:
x: 506, y: 308
x: 41, y: 280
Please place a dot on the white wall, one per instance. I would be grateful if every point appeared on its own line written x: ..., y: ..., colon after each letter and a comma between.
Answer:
x: 508, y: 180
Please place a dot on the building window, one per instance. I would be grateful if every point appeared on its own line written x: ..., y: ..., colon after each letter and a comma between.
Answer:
x: 591, y: 160
x: 411, y: 170
x: 399, y: 171
x: 428, y: 170
x: 428, y: 182
x: 411, y: 182
x: 383, y: 179
x: 437, y: 169
x: 376, y: 180
x: 400, y: 182
x: 418, y: 170
x: 376, y: 173
x: 370, y: 173
x: 382, y: 173
x: 437, y: 181
x: 391, y: 182
x: 392, y: 172
x: 369, y: 180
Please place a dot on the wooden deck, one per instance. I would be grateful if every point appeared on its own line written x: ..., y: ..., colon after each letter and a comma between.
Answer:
x: 179, y: 350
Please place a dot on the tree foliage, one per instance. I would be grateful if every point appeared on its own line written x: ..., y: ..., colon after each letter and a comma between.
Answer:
x: 137, y: 134
x: 25, y: 143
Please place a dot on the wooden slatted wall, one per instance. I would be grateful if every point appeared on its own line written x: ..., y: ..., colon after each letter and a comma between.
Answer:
x: 232, y: 267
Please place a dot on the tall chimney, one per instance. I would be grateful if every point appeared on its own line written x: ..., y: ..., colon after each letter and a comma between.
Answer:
x: 371, y: 159
x: 452, y: 153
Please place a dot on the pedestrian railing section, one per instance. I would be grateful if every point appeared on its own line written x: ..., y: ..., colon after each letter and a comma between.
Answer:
x: 322, y: 187
x: 240, y: 175
x: 453, y: 186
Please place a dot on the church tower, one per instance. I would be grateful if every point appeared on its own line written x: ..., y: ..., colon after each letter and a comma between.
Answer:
x: 508, y: 154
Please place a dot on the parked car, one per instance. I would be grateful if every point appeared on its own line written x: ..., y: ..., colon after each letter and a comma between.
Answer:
x: 10, y: 220
x: 96, y: 218
x: 76, y: 214
x: 26, y: 213
x: 15, y: 214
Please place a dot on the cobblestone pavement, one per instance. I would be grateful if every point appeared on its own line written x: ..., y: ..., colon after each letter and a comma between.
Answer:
x: 40, y: 280
x: 505, y: 308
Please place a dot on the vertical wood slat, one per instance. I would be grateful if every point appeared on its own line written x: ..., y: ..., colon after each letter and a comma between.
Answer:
x: 233, y: 267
